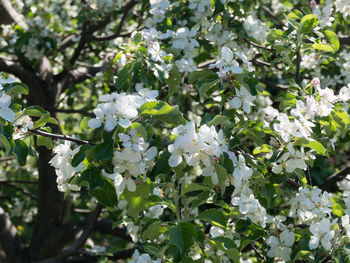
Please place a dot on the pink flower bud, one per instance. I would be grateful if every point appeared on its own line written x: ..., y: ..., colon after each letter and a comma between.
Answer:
x: 313, y: 4
x: 316, y: 82
x: 128, y: 55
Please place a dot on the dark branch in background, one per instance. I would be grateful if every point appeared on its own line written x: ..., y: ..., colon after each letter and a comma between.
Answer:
x: 18, y: 182
x: 257, y: 45
x: 126, y: 10
x: 330, y: 185
x: 74, y: 248
x: 272, y: 15
x: 273, y: 85
x: 345, y: 40
x: 25, y: 75
x: 20, y: 189
x: 82, y: 112
x: 7, y: 158
x: 9, y: 239
x: 293, y: 183
x: 15, y: 16
x: 60, y: 137
x: 85, y: 257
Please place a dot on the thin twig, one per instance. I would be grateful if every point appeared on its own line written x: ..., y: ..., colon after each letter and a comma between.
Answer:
x: 60, y: 137
x: 7, y: 158
x: 257, y: 45
x: 18, y: 181
x: 83, y: 112
x: 126, y: 10
x: 293, y: 183
x: 23, y: 191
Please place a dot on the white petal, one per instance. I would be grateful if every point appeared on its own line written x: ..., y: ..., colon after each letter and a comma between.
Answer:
x: 130, y: 183
x: 175, y: 160
x: 151, y: 153
x: 314, y: 241
x: 110, y: 123
x: 7, y: 114
x: 125, y: 123
x: 94, y: 123
x: 235, y: 103
x: 5, y: 101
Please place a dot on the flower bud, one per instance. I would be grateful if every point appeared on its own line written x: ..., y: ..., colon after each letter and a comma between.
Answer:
x: 313, y: 4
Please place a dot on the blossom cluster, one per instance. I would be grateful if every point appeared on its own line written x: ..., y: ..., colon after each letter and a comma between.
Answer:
x: 119, y: 109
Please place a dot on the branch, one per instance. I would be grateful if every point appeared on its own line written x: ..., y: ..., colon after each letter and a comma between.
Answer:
x: 257, y: 45
x: 273, y: 85
x: 344, y: 40
x: 272, y: 15
x: 18, y: 182
x: 83, y: 112
x: 15, y: 16
x: 9, y: 239
x: 7, y: 158
x: 330, y: 185
x: 87, y: 257
x: 23, y: 191
x: 126, y: 10
x: 74, y: 248
x: 25, y: 75
x: 60, y: 137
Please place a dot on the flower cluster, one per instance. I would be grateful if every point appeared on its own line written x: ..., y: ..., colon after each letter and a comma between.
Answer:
x: 131, y: 162
x: 197, y: 147
x: 119, y: 109
x: 62, y: 161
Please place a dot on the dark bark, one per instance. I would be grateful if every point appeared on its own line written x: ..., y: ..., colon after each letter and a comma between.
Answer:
x: 9, y: 239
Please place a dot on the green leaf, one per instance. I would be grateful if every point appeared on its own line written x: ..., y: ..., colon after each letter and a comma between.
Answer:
x: 341, y: 118
x: 182, y: 237
x: 214, y: 216
x: 21, y: 151
x: 219, y: 120
x: 196, y: 75
x: 35, y: 111
x: 324, y: 47
x: 332, y: 38
x: 265, y: 148
x: 315, y: 145
x: 137, y: 200
x: 307, y: 23
x: 137, y: 38
x: 92, y: 178
x: 226, y: 246
x: 206, y: 86
x: 222, y: 176
x: 173, y: 81
x: 16, y: 88
x: 195, y: 187
x: 5, y: 143
x: 140, y: 129
x: 104, y: 151
x: 153, y: 231
x: 80, y: 155
x: 44, y: 141
x: 107, y: 195
x: 153, y: 249
x: 338, y: 206
x: 84, y: 123
x: 163, y: 111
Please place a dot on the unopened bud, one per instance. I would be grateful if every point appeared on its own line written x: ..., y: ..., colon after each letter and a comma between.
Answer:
x: 316, y: 82
x: 128, y: 55
x: 313, y: 4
